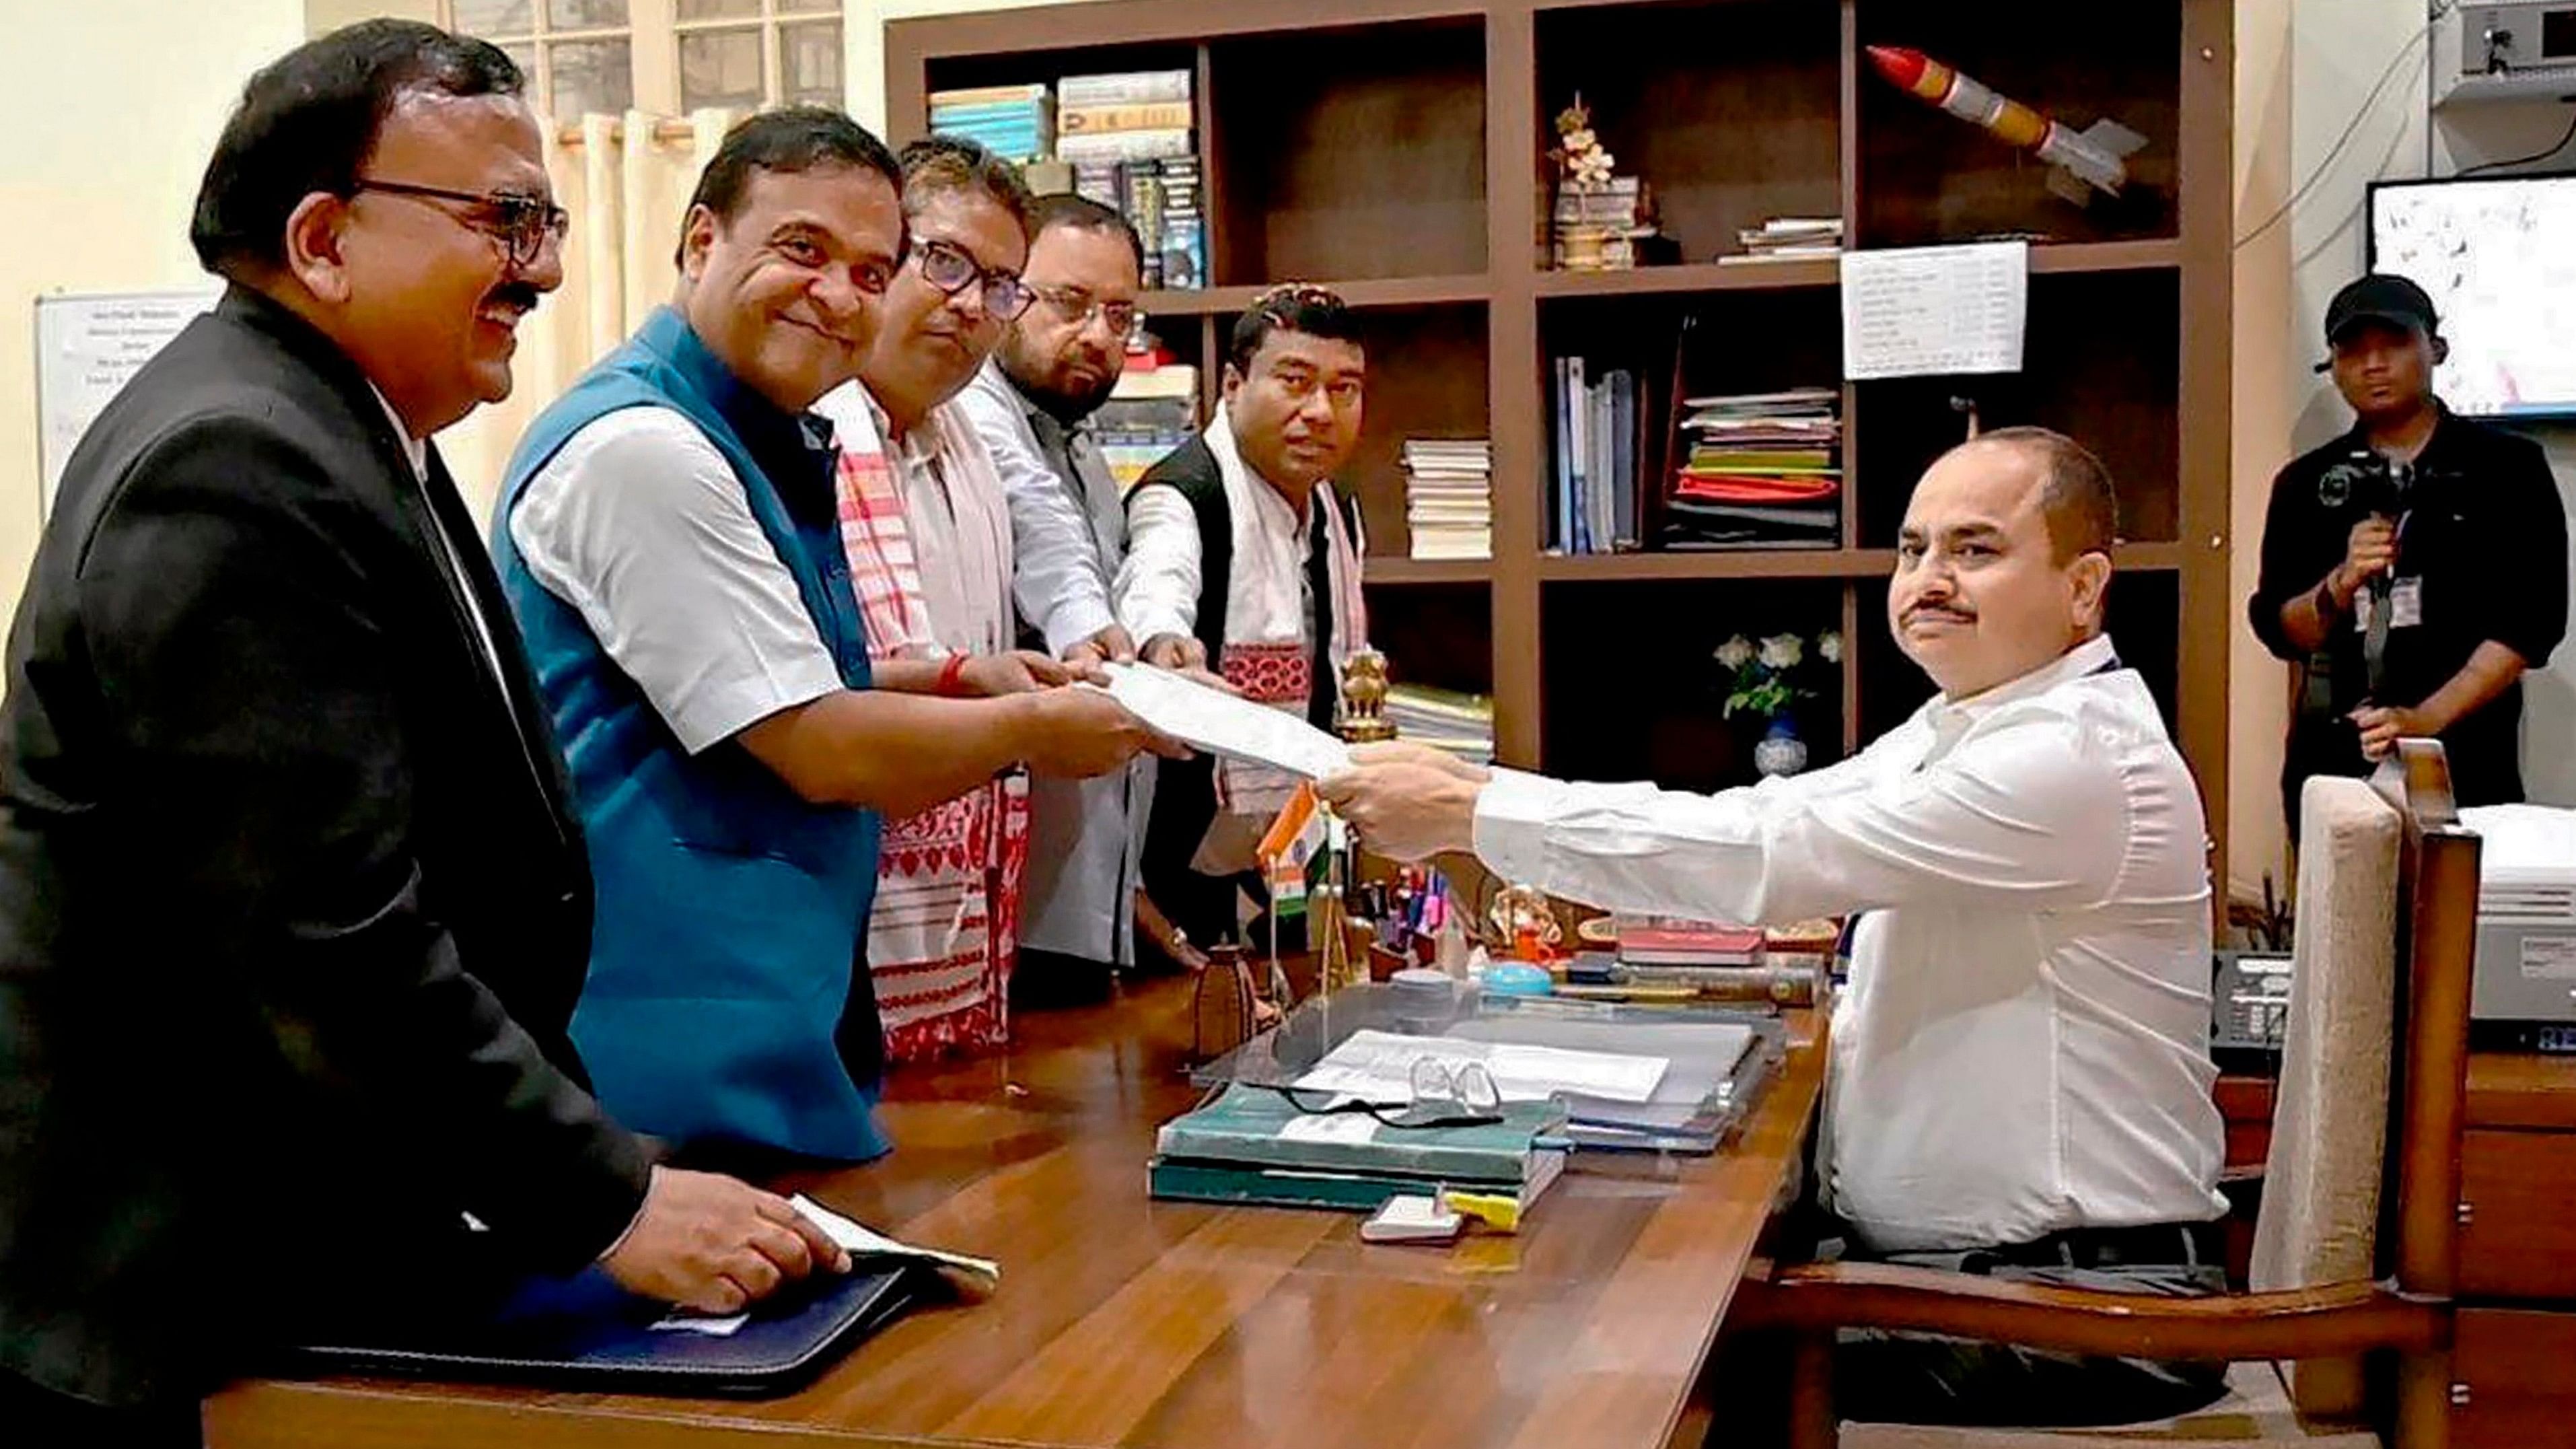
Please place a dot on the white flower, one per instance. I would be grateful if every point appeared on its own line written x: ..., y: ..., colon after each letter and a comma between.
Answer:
x: 1830, y: 645
x: 1781, y: 651
x: 1578, y: 142
x: 1735, y: 653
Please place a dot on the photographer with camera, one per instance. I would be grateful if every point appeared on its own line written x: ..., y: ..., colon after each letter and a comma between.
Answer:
x: 2416, y: 566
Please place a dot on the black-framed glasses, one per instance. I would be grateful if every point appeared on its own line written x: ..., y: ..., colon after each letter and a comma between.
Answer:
x: 948, y: 267
x: 1077, y: 307
x: 524, y: 225
x: 1443, y: 1095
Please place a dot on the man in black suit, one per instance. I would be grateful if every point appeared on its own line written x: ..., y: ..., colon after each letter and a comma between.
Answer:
x: 292, y: 909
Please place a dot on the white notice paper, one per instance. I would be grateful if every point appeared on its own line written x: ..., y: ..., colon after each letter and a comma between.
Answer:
x: 1377, y: 1066
x: 87, y: 348
x: 1220, y: 723
x: 1935, y: 311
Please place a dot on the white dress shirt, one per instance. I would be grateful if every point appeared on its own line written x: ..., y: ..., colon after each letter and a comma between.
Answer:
x: 2024, y: 1045
x: 1066, y: 544
x: 640, y: 524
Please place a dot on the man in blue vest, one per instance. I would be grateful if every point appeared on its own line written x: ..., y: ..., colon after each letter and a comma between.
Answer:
x: 668, y: 538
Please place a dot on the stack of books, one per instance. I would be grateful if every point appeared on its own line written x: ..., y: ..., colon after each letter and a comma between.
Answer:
x: 1598, y: 228
x: 1152, y: 410
x: 1760, y: 470
x: 1598, y: 473
x: 1449, y: 497
x: 1446, y: 720
x: 1258, y: 1145
x: 1016, y: 123
x: 1787, y: 237
x: 1131, y: 142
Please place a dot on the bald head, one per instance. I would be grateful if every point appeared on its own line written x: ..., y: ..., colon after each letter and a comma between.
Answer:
x: 2075, y: 494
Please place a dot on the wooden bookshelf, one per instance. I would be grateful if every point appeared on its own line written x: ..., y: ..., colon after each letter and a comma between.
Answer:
x: 1395, y: 150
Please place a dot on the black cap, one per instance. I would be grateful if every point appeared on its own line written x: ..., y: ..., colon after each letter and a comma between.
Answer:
x: 2385, y: 298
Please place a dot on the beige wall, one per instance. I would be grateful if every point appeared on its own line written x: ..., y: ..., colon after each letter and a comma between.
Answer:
x: 112, y: 107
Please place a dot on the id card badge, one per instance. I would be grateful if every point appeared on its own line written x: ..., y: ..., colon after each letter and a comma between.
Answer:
x: 2406, y: 603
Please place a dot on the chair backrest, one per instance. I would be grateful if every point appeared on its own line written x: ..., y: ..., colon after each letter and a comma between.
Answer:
x: 2363, y: 1175
x: 2321, y: 1183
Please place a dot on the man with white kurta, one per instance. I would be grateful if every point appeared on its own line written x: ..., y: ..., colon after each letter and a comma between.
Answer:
x: 1242, y: 557
x: 1033, y: 406
x: 2020, y: 1073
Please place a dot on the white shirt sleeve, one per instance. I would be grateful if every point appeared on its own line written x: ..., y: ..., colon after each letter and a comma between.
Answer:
x: 1158, y: 585
x: 2024, y: 817
x: 640, y: 524
x: 1056, y: 581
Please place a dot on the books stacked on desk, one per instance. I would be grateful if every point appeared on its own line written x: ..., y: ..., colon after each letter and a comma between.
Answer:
x: 1718, y: 960
x: 1130, y: 138
x: 1152, y: 411
x: 1787, y: 238
x: 1016, y: 123
x: 1449, y: 497
x: 1760, y: 470
x: 1446, y: 720
x: 1596, y: 483
x: 1253, y: 1144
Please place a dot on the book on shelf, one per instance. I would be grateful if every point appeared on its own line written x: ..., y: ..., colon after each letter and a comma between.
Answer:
x: 1756, y: 470
x: 1124, y: 88
x: 1596, y: 486
x: 1143, y: 116
x: 1016, y: 123
x: 1118, y: 146
x: 1447, y: 720
x: 1448, y: 487
x: 1152, y: 411
x: 1787, y: 238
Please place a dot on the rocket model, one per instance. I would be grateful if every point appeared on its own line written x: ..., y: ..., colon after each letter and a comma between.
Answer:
x: 2079, y: 158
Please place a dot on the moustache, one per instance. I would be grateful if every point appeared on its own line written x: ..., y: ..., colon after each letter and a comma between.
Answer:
x: 520, y: 297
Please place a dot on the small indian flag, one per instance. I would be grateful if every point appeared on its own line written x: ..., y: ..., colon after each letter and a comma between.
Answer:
x: 1291, y: 842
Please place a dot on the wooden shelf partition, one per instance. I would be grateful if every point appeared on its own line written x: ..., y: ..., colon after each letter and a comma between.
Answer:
x: 1395, y: 150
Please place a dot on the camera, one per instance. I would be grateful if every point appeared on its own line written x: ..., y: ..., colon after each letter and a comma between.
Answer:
x: 2362, y: 484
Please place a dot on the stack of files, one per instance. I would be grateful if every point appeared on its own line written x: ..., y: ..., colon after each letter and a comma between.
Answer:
x: 1455, y: 723
x: 1759, y: 470
x: 1152, y: 412
x: 1672, y: 941
x: 1129, y: 137
x: 1597, y: 481
x: 1786, y: 237
x: 1253, y: 1144
x: 1016, y: 123
x: 1449, y: 498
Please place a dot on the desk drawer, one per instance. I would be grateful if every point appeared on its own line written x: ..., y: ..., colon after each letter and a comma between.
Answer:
x: 2519, y: 1240
x: 2519, y: 1373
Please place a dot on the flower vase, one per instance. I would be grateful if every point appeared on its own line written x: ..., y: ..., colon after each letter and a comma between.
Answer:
x: 1780, y: 752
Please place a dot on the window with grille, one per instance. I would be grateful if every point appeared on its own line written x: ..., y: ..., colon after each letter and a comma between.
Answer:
x: 667, y: 56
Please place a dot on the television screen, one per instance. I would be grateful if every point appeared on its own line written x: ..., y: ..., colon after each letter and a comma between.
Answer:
x: 2498, y: 257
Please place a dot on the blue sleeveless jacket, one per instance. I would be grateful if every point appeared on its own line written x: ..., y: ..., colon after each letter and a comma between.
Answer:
x: 732, y: 914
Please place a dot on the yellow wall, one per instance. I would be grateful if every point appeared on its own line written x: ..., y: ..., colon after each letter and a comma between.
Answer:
x: 111, y: 107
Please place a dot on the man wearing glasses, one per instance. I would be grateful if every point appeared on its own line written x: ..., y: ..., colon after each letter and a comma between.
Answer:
x: 669, y: 538
x: 1032, y: 406
x: 1243, y: 556
x: 927, y: 533
x: 297, y: 905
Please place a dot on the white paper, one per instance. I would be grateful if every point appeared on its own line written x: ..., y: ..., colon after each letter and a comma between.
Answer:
x: 87, y: 349
x: 684, y: 1321
x: 1377, y: 1066
x: 1935, y: 311
x: 1220, y: 723
x: 865, y: 1242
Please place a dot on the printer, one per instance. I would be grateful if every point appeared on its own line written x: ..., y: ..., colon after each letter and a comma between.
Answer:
x: 2526, y: 951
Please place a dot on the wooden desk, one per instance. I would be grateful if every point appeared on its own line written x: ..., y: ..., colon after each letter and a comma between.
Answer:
x: 1123, y: 1321
x: 2514, y: 1366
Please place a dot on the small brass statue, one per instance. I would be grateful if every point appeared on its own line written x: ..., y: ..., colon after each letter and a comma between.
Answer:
x: 1363, y: 714
x: 1525, y: 924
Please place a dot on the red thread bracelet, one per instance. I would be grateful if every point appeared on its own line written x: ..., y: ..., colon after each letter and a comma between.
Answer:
x: 950, y: 678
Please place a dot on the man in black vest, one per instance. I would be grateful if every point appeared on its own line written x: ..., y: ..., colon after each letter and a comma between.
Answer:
x: 293, y: 910
x: 1243, y: 558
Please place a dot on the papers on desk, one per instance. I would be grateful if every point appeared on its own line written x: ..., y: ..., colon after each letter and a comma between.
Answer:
x: 1377, y: 1066
x: 1935, y: 311
x: 1220, y: 723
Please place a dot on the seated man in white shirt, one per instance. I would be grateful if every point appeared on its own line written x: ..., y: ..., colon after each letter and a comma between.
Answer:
x: 2020, y: 1075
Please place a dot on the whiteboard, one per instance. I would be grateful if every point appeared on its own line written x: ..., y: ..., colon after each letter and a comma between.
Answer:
x: 87, y: 346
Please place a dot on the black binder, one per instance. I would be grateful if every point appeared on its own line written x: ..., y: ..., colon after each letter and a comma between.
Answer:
x: 587, y: 1333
